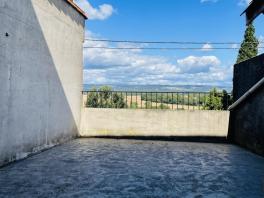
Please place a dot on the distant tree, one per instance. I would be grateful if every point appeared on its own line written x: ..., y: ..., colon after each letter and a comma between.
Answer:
x: 213, y: 100
x: 217, y: 100
x: 104, y: 98
x: 249, y: 47
x: 118, y: 101
x: 92, y: 99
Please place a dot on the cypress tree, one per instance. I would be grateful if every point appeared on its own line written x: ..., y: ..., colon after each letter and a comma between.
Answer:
x: 249, y: 47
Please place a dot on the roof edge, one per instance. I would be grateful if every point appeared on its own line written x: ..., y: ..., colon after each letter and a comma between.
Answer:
x: 77, y: 8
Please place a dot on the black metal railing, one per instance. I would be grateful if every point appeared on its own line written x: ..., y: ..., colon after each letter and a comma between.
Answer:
x: 157, y: 100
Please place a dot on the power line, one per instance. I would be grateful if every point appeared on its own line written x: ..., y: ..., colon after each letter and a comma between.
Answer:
x: 165, y: 48
x: 168, y: 42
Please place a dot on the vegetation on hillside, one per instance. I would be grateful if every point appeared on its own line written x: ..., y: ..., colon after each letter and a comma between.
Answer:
x: 217, y: 100
x: 104, y: 97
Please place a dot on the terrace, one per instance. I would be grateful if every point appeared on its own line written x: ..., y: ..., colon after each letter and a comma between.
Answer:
x: 59, y: 141
x: 135, y: 168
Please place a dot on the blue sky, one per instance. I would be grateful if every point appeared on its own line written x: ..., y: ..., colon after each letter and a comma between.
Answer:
x: 163, y: 20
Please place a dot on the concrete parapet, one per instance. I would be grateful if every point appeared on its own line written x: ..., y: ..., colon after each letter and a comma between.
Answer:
x: 153, y: 123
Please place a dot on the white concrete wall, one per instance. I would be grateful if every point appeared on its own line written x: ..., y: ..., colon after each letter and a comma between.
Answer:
x: 126, y: 122
x: 41, y: 64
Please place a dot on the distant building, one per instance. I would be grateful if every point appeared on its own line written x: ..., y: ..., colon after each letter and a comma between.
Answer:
x: 41, y: 65
x: 255, y: 8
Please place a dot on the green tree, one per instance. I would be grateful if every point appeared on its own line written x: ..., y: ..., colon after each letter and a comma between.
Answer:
x: 92, y: 99
x: 213, y: 100
x: 105, y: 97
x: 118, y: 101
x: 249, y: 47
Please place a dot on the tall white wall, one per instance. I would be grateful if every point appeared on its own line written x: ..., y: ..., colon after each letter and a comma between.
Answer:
x: 41, y: 62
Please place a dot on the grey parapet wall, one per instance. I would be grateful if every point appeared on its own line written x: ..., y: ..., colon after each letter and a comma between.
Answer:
x: 247, y: 116
x: 41, y: 61
x: 153, y: 123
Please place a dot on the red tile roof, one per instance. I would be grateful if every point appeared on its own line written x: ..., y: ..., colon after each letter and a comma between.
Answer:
x: 76, y: 7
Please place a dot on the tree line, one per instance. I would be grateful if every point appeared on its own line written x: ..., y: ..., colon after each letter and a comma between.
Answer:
x: 104, y: 97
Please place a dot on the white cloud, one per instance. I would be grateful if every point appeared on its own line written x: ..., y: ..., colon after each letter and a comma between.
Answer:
x: 134, y: 67
x: 103, y: 12
x: 207, y: 47
x: 240, y: 2
x: 194, y: 64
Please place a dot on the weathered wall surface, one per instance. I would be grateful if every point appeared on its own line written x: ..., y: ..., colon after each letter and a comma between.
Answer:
x: 153, y: 123
x: 247, y: 119
x: 40, y: 75
x: 247, y: 123
x: 246, y: 75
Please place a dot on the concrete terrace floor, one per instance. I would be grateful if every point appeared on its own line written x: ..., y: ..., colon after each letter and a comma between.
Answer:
x: 132, y: 168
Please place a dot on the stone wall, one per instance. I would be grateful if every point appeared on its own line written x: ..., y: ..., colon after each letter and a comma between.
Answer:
x: 41, y: 61
x: 153, y: 123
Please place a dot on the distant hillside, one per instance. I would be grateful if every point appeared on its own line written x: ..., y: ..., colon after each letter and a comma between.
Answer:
x: 157, y: 88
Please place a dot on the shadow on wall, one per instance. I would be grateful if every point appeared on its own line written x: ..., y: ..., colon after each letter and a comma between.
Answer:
x: 246, y: 126
x: 40, y: 87
x: 66, y: 10
x: 246, y: 123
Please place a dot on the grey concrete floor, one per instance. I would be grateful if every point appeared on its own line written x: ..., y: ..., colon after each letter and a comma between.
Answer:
x: 131, y: 168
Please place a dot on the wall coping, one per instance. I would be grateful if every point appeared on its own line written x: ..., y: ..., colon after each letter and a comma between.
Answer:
x: 247, y: 94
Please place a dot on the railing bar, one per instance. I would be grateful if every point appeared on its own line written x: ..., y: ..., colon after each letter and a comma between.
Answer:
x: 122, y: 98
x: 167, y: 98
x: 172, y: 101
x: 199, y: 100
x: 131, y: 100
x: 151, y: 100
x: 111, y: 99
x: 204, y: 100
x: 126, y: 100
x: 141, y: 99
x: 161, y: 102
x: 227, y: 102
x: 177, y: 101
x: 156, y: 100
x: 193, y: 100
x: 188, y: 101
x: 136, y: 101
x: 101, y: 100
x: 183, y: 101
x: 86, y: 104
x: 146, y: 105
